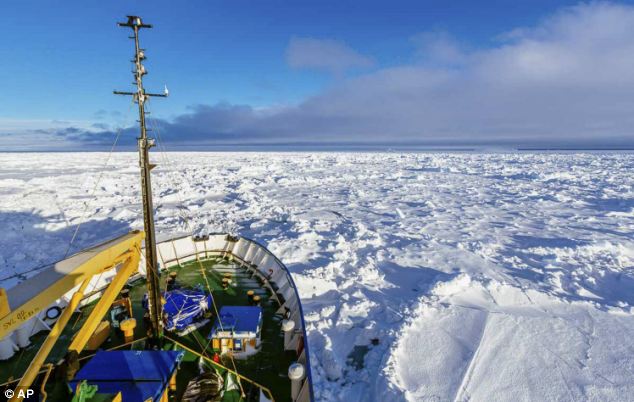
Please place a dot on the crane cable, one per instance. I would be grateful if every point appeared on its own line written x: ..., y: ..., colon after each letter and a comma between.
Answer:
x: 94, y: 189
x: 114, y: 144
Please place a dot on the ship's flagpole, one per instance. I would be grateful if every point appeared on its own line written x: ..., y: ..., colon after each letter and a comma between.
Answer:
x: 144, y: 145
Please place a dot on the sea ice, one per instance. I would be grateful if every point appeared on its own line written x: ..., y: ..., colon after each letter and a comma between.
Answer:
x: 424, y: 276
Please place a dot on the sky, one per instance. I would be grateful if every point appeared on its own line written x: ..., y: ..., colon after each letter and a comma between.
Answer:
x: 343, y: 73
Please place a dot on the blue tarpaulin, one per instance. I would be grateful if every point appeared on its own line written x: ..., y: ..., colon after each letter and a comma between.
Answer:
x: 184, y: 306
x: 137, y: 374
x: 238, y: 319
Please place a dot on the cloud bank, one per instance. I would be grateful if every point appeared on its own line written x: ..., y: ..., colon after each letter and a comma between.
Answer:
x: 568, y: 81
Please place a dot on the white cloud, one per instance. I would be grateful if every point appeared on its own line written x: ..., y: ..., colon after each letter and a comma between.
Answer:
x: 567, y: 81
x: 438, y: 47
x: 324, y: 54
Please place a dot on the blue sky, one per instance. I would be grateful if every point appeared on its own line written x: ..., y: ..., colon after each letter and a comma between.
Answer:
x: 262, y: 72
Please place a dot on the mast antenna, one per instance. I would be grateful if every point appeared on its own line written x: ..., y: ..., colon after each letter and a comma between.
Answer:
x: 144, y: 145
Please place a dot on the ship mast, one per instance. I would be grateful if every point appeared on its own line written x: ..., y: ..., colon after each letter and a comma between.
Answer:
x: 144, y: 145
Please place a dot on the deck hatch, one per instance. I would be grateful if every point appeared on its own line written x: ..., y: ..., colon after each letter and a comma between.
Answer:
x: 138, y: 374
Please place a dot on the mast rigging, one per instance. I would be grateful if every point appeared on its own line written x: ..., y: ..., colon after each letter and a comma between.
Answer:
x: 144, y: 145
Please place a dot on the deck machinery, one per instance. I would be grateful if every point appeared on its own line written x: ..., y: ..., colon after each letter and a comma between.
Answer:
x: 212, y: 317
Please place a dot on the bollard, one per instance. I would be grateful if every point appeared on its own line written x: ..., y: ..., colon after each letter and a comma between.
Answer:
x: 127, y: 326
x: 250, y: 295
x: 288, y: 326
x: 296, y: 373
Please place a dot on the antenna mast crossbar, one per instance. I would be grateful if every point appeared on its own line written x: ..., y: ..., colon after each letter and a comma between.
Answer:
x: 144, y: 145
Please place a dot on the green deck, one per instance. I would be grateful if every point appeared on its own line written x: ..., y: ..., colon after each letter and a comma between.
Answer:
x: 268, y: 367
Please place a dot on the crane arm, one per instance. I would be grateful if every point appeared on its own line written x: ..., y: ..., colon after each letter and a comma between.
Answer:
x: 25, y: 300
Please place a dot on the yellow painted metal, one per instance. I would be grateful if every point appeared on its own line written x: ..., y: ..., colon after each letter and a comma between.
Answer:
x: 49, y: 342
x: 125, y: 250
x: 129, y: 267
x: 72, y: 272
x: 43, y: 393
x: 98, y: 337
x: 7, y: 384
x: 173, y: 383
x: 4, y: 303
x: 127, y: 326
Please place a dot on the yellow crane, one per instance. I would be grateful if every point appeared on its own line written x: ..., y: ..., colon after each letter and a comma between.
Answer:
x: 24, y: 301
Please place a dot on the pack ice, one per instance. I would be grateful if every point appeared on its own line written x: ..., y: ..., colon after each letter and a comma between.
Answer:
x: 424, y: 276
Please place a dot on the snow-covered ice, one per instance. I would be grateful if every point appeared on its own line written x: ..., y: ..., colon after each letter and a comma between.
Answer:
x: 424, y: 276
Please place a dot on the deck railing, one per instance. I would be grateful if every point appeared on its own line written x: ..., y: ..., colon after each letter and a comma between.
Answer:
x: 248, y: 253
x: 259, y: 260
